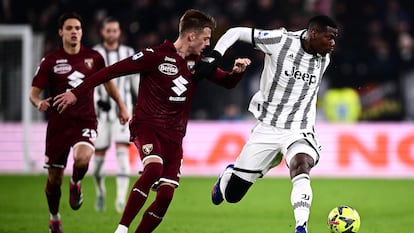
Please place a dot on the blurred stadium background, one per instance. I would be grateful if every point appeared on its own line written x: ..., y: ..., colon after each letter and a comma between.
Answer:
x: 365, y: 104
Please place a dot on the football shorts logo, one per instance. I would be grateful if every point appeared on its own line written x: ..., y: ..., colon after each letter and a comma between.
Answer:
x: 168, y: 69
x: 88, y: 63
x: 147, y: 148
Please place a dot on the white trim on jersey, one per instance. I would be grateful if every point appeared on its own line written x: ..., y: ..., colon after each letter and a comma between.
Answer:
x: 127, y: 86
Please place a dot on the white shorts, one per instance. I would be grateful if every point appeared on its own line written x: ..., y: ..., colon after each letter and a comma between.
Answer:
x: 111, y: 130
x: 266, y: 147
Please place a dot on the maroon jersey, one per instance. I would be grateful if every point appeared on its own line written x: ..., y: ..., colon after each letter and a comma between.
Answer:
x: 166, y: 87
x: 60, y: 71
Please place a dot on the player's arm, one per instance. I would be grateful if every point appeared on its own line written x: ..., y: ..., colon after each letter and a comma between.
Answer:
x: 41, y: 104
x: 124, y: 67
x: 123, y: 113
x: 230, y: 79
x: 232, y: 35
x: 208, y: 65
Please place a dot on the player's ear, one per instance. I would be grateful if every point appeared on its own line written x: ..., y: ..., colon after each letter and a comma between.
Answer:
x: 191, y: 36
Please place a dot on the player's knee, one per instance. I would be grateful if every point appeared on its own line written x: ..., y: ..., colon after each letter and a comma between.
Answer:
x: 300, y: 163
x: 165, y: 192
x: 152, y: 171
x: 236, y: 189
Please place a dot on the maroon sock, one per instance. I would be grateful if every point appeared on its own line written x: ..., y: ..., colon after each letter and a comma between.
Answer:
x: 79, y: 172
x: 139, y: 193
x: 156, y: 211
x: 53, y: 194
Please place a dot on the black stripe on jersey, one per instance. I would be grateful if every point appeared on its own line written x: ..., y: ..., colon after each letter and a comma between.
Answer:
x: 289, y: 88
x: 307, y: 109
x: 253, y: 40
x: 280, y: 59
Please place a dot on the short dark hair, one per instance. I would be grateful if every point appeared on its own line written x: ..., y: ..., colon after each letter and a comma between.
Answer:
x: 320, y: 22
x: 109, y: 19
x: 196, y: 20
x: 66, y: 16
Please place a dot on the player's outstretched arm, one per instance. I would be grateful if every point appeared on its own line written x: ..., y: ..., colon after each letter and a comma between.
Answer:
x: 207, y: 65
x: 231, y: 36
x: 240, y: 65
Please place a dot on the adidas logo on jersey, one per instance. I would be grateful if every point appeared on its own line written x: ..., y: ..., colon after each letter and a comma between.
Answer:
x: 297, y: 74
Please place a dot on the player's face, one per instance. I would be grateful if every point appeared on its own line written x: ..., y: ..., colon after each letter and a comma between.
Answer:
x: 111, y: 32
x: 324, y: 42
x: 199, y: 41
x: 71, y: 32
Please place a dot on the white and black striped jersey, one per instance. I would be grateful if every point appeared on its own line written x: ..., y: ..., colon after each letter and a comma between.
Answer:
x: 290, y: 78
x: 127, y: 86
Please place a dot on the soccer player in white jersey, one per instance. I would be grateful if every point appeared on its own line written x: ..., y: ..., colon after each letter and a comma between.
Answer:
x: 285, y: 109
x: 108, y: 127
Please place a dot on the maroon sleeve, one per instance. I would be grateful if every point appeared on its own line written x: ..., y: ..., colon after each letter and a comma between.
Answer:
x: 41, y: 76
x: 226, y: 79
x: 138, y: 63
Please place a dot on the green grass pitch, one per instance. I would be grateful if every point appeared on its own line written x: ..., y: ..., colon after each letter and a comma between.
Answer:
x: 385, y: 206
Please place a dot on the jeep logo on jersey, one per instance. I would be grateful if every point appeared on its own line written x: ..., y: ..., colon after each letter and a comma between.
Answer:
x: 297, y: 74
x: 62, y: 68
x: 168, y: 69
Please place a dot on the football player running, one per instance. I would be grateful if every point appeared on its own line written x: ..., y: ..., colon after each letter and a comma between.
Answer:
x: 285, y: 109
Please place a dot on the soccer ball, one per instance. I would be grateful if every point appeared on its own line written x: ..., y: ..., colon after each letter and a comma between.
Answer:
x: 343, y: 219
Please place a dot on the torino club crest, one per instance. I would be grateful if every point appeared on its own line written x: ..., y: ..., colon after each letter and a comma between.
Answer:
x: 147, y: 148
x: 88, y: 63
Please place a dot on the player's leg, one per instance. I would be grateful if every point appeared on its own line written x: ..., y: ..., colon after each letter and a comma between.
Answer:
x: 102, y: 143
x: 259, y: 154
x: 156, y: 211
x: 140, y: 190
x: 57, y: 152
x: 300, y: 158
x: 121, y: 137
x: 53, y: 194
x: 82, y: 153
x: 154, y: 214
x: 122, y: 176
x: 150, y: 150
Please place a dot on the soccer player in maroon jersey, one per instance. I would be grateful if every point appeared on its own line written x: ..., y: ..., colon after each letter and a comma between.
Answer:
x: 160, y: 117
x: 60, y: 71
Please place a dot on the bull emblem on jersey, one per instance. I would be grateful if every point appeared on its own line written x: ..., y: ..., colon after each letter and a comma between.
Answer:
x: 147, y: 148
x: 88, y: 63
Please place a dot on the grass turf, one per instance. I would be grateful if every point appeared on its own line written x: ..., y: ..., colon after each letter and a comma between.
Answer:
x: 385, y: 206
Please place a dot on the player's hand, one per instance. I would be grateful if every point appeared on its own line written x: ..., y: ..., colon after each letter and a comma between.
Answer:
x: 240, y: 65
x: 123, y: 115
x: 64, y: 100
x: 207, y: 65
x: 43, y: 105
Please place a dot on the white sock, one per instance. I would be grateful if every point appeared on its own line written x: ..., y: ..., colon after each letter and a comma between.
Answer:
x: 122, y: 178
x: 301, y: 199
x: 55, y: 216
x: 121, y: 229
x: 98, y: 175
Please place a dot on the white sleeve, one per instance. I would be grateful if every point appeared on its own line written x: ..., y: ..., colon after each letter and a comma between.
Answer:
x: 231, y: 36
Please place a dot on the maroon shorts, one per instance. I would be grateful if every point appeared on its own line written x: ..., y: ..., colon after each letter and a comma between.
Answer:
x: 152, y: 142
x: 62, y: 134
